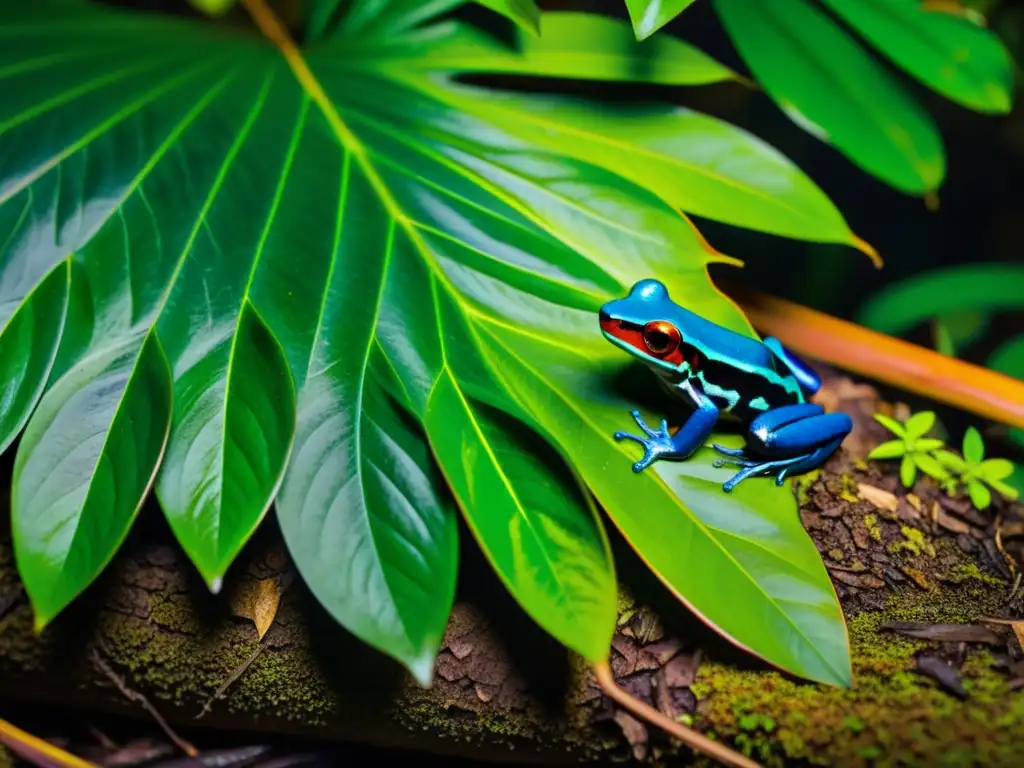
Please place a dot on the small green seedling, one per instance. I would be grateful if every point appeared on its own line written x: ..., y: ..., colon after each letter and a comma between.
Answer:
x: 976, y: 472
x: 912, y: 447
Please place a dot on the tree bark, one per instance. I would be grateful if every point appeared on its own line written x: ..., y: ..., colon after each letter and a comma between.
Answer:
x: 505, y: 691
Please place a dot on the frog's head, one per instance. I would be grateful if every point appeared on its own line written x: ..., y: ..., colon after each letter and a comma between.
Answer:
x: 640, y: 323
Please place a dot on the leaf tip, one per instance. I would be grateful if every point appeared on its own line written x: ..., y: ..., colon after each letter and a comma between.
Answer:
x: 215, y: 584
x: 422, y: 668
x: 868, y: 250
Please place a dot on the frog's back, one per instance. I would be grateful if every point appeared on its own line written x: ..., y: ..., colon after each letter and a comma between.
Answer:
x: 741, y: 375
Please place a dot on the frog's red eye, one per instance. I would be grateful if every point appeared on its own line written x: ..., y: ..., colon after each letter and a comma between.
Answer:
x: 661, y: 337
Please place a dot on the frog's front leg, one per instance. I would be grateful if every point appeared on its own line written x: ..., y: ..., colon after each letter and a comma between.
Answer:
x: 786, y: 441
x: 659, y: 444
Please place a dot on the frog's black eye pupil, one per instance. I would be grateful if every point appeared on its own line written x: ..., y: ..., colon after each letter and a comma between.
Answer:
x: 661, y: 337
x: 658, y: 341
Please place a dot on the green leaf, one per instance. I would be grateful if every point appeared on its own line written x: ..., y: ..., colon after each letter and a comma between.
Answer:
x: 648, y: 16
x: 995, y: 469
x: 213, y: 8
x: 981, y: 497
x: 368, y: 521
x: 1004, y: 489
x: 524, y: 13
x: 371, y: 19
x: 953, y: 55
x: 919, y: 424
x: 930, y: 466
x: 908, y: 471
x: 351, y: 217
x: 581, y: 46
x: 989, y: 288
x: 536, y: 527
x: 28, y: 347
x: 84, y: 467
x: 891, y: 424
x: 830, y: 86
x: 702, y: 543
x: 1008, y: 358
x: 234, y: 423
x: 892, y: 449
x: 973, y: 446
x: 951, y: 460
x: 927, y: 444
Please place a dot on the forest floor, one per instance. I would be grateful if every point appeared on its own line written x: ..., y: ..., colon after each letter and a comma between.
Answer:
x: 920, y: 576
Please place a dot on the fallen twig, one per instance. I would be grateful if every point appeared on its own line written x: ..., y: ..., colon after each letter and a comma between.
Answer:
x: 140, y: 699
x: 237, y: 673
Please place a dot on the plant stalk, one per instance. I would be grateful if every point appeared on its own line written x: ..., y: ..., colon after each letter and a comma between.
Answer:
x: 884, y: 358
x: 696, y: 741
x: 36, y: 751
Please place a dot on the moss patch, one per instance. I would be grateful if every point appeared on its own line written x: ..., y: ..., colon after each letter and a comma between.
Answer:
x: 892, y: 715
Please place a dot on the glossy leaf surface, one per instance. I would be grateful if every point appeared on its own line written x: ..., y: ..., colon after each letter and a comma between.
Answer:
x: 828, y: 84
x: 28, y: 347
x: 525, y: 13
x: 299, y: 231
x: 536, y: 528
x: 950, y: 53
x: 701, y: 542
x: 84, y: 467
x: 648, y: 16
x: 234, y: 421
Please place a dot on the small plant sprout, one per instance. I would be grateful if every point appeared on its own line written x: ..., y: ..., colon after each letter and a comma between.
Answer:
x: 912, y: 447
x: 976, y: 472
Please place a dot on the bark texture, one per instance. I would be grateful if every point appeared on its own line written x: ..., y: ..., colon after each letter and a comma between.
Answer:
x: 505, y: 691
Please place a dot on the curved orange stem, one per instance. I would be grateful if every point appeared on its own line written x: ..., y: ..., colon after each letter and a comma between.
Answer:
x: 696, y: 741
x: 886, y: 359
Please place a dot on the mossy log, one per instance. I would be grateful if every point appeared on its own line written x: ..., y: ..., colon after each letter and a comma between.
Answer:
x: 504, y: 691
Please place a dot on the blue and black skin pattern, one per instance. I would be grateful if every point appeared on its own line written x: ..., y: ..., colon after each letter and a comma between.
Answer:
x: 759, y: 383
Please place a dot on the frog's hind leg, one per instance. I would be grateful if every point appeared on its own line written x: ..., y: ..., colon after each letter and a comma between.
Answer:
x: 809, y: 381
x: 786, y: 441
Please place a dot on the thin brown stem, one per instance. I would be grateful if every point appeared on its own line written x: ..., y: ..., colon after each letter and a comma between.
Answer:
x: 696, y: 741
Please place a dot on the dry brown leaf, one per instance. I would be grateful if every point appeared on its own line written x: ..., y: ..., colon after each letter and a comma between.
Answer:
x: 258, y: 601
x: 950, y: 523
x: 880, y: 498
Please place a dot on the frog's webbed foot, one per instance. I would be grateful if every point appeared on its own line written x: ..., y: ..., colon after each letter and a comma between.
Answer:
x: 781, y: 468
x: 657, y: 444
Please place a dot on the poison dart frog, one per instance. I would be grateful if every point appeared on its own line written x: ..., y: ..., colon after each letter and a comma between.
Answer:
x: 758, y: 383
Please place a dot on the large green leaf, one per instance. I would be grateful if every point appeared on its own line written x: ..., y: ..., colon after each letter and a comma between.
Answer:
x: 698, y: 163
x: 581, y: 46
x: 827, y: 83
x: 545, y: 543
x: 958, y: 58
x: 234, y: 420
x: 28, y: 346
x: 84, y: 467
x: 988, y: 288
x: 703, y: 544
x: 349, y: 218
x: 648, y: 16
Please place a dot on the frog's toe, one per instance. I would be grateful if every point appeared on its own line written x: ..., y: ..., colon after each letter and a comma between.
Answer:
x: 728, y: 451
x: 627, y: 436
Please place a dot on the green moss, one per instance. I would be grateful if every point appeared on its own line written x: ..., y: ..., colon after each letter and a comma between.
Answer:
x: 874, y: 530
x: 848, y: 489
x: 804, y: 483
x: 963, y: 572
x: 914, y: 541
x: 892, y: 715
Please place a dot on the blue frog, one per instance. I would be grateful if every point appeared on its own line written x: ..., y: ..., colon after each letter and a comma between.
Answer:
x: 758, y: 383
